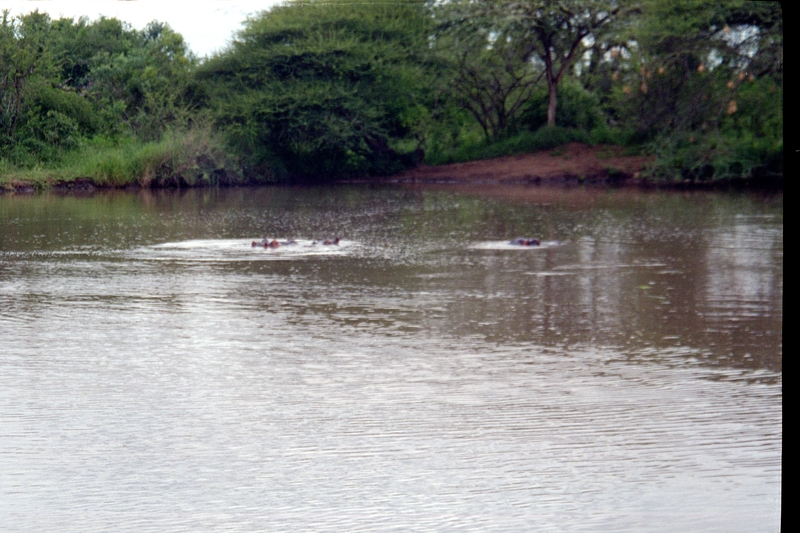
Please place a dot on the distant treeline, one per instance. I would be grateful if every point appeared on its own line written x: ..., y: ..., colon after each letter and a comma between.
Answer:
x: 338, y: 88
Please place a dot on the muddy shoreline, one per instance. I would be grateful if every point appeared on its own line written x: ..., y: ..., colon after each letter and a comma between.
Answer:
x: 573, y: 164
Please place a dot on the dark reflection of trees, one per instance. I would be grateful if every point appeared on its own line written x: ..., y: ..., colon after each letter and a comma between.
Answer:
x: 665, y: 273
x: 645, y: 274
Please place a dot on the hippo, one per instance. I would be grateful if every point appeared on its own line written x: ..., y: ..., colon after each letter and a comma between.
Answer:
x: 524, y: 241
x: 274, y: 243
x: 266, y: 243
x: 327, y: 241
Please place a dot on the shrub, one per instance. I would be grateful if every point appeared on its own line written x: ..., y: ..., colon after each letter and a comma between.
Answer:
x: 544, y: 138
x: 577, y: 109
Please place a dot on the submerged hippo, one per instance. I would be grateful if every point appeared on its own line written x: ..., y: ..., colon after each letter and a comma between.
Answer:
x: 523, y: 241
x: 327, y: 241
x: 274, y: 243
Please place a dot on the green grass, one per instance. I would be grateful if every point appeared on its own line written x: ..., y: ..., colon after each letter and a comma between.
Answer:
x: 546, y: 138
x: 717, y: 158
x: 190, y: 158
x: 199, y: 157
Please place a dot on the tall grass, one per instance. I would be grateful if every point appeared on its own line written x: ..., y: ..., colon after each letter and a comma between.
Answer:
x: 188, y: 158
x: 542, y: 139
x: 718, y: 158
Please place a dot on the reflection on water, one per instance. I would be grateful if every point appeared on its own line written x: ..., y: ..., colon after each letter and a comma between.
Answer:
x: 159, y: 373
x: 224, y: 250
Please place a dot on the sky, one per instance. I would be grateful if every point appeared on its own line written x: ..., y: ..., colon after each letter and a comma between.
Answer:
x: 206, y: 25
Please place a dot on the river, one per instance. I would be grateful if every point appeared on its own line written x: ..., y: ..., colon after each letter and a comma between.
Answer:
x: 158, y: 373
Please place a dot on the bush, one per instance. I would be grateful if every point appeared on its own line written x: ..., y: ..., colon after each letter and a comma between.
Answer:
x: 542, y: 139
x: 577, y: 109
x: 693, y: 158
x: 603, y: 134
x: 181, y: 159
x: 322, y: 90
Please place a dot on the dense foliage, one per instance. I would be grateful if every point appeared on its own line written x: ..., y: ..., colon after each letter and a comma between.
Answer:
x: 702, y: 83
x: 63, y: 81
x: 321, y: 90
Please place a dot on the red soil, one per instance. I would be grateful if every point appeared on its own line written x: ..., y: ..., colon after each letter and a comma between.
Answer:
x: 572, y: 162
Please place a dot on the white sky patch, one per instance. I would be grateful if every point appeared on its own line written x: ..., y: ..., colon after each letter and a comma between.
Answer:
x: 206, y: 25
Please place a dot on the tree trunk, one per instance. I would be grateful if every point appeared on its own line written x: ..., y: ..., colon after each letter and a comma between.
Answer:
x: 552, y: 80
x: 551, y: 106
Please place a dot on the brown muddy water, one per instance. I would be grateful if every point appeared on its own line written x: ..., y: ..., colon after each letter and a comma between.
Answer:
x: 157, y: 373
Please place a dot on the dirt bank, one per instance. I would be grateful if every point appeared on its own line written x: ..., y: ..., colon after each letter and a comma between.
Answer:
x: 573, y: 162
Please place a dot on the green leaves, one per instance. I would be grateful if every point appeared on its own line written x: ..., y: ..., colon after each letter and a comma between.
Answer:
x: 689, y: 87
x: 64, y: 80
x: 322, y: 89
x: 24, y: 63
x: 489, y: 69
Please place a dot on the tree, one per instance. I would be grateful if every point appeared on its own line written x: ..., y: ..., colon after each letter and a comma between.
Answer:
x: 704, y: 82
x: 144, y: 86
x: 562, y: 30
x: 552, y: 33
x: 80, y: 45
x: 24, y: 63
x: 322, y: 89
x: 491, y: 73
x: 63, y: 81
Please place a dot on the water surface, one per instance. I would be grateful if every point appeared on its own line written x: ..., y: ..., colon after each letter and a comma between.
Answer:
x: 157, y: 373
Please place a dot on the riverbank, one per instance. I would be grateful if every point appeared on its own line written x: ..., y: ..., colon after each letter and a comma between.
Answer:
x: 571, y: 163
x: 567, y: 165
x: 194, y: 158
